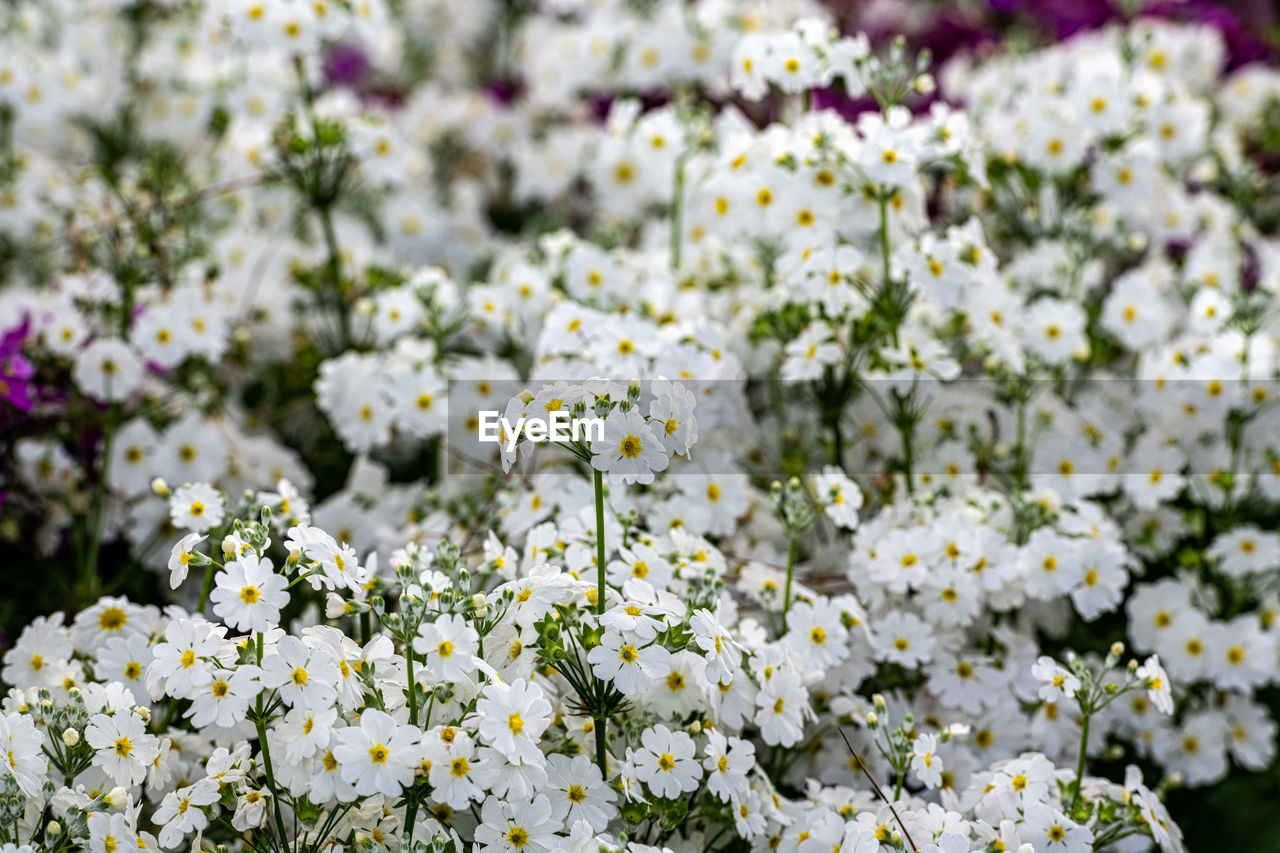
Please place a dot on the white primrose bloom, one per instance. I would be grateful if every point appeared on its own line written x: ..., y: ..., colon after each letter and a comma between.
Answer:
x: 378, y: 756
x: 630, y: 450
x: 249, y: 594
x: 197, y: 507
x: 665, y: 762
x: 448, y: 644
x: 630, y: 665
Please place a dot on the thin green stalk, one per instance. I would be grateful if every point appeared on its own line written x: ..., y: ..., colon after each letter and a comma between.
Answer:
x: 206, y: 586
x: 89, y: 566
x: 260, y: 723
x: 677, y: 213
x: 601, y: 723
x: 791, y: 567
x: 884, y: 257
x: 1020, y: 450
x: 600, y: 564
x: 335, y: 274
x: 1084, y: 745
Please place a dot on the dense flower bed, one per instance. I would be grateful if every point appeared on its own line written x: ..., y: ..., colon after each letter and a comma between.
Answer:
x: 933, y: 508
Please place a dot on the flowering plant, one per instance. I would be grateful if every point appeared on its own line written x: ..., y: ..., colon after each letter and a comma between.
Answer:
x: 931, y: 508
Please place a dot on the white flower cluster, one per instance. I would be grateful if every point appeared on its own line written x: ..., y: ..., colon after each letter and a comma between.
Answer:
x: 915, y: 423
x: 477, y: 708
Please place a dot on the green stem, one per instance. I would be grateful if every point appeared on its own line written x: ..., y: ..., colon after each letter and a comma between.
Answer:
x: 677, y: 213
x: 206, y: 586
x: 600, y: 564
x: 786, y: 592
x: 366, y: 627
x: 335, y: 274
x: 411, y: 811
x: 260, y: 723
x: 1020, y: 449
x: 602, y: 747
x: 89, y: 568
x: 887, y: 284
x: 1084, y: 745
x: 601, y: 722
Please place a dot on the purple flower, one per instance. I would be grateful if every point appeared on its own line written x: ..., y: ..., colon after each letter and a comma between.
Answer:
x: 15, y: 370
x: 346, y: 64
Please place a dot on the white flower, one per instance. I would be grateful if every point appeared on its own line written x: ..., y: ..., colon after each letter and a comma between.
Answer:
x: 449, y: 644
x: 225, y: 699
x: 666, y: 763
x: 197, y: 507
x: 180, y: 558
x: 1056, y: 681
x: 783, y: 705
x: 378, y: 756
x: 925, y: 761
x: 513, y: 718
x: 839, y: 497
x: 457, y: 776
x: 21, y: 753
x: 251, y: 809
x: 302, y: 676
x: 816, y: 633
x: 181, y: 662
x: 631, y: 668
x: 108, y: 370
x: 671, y: 415
x: 728, y: 762
x: 249, y: 595
x: 809, y: 353
x: 630, y: 450
x: 181, y: 812
x: 516, y: 826
x: 1157, y: 684
x: 578, y: 792
x: 107, y: 832
x: 720, y: 652
x: 123, y: 749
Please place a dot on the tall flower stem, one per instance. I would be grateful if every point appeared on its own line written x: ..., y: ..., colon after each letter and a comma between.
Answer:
x: 599, y: 720
x: 884, y: 259
x: 206, y: 587
x: 791, y: 568
x: 89, y: 567
x: 1084, y: 746
x: 260, y: 722
x: 677, y: 212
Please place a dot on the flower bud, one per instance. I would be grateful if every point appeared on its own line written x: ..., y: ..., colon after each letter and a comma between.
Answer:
x: 160, y: 487
x: 895, y: 838
x: 117, y: 797
x: 53, y: 828
x: 70, y: 737
x: 878, y: 701
x: 334, y: 606
x: 872, y: 720
x: 924, y: 84
x: 1117, y: 649
x: 143, y: 712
